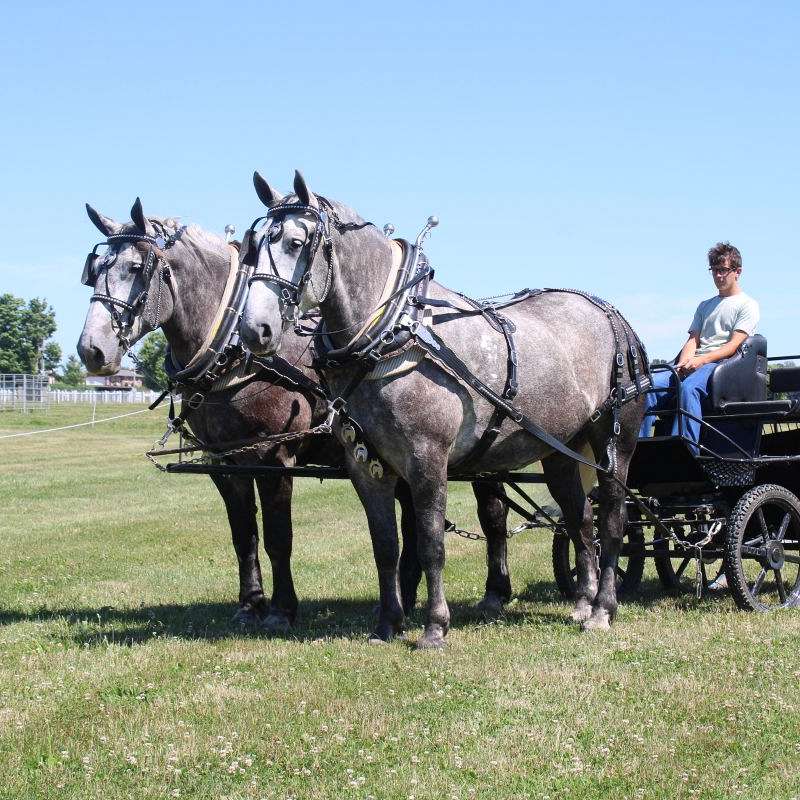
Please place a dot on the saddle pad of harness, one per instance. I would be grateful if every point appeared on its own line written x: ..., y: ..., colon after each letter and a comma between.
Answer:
x: 398, y: 364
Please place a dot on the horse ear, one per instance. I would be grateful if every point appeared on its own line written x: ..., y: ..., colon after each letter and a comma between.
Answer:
x: 266, y: 194
x: 305, y: 194
x: 104, y: 224
x: 139, y: 219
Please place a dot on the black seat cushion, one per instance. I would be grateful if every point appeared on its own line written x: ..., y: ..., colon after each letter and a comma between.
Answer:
x: 742, y: 377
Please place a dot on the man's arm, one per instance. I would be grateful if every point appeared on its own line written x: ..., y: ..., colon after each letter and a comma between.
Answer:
x: 688, y: 350
x: 691, y: 363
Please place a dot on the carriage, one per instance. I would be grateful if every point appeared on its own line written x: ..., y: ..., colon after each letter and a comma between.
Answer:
x: 730, y: 509
x: 729, y: 514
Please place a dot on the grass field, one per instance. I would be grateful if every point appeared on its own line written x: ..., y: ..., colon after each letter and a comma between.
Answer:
x: 120, y: 675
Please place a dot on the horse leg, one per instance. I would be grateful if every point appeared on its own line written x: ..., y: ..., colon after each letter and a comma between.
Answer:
x: 410, y: 569
x: 493, y: 514
x: 611, y: 521
x: 377, y: 496
x: 429, y: 491
x: 276, y: 512
x: 240, y: 505
x: 564, y: 482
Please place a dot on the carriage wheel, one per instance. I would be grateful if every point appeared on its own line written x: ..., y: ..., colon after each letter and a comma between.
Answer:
x: 629, y: 568
x: 677, y: 571
x: 762, y: 549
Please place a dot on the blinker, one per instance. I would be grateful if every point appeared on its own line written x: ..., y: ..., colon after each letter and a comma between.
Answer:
x: 94, y: 261
x: 248, y: 251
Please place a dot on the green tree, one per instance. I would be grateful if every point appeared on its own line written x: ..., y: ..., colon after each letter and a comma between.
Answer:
x: 24, y: 330
x: 151, y: 354
x: 52, y: 357
x: 74, y: 374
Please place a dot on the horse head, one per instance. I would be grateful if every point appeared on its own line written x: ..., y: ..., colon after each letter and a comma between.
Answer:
x: 128, y: 273
x: 291, y: 251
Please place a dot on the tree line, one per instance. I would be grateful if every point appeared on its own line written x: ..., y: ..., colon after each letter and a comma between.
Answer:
x: 27, y: 346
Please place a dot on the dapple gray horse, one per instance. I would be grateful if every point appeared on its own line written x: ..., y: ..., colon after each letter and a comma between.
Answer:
x: 199, y: 264
x: 421, y: 421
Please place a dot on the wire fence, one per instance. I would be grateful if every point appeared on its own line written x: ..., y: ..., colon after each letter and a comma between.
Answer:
x: 23, y: 392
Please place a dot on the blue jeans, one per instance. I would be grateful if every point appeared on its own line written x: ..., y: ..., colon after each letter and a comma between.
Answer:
x: 694, y: 389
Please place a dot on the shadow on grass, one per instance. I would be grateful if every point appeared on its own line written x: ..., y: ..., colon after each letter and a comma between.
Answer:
x: 347, y: 618
x: 324, y: 618
x: 649, y: 593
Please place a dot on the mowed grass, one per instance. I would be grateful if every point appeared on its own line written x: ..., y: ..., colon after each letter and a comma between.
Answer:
x: 121, y: 676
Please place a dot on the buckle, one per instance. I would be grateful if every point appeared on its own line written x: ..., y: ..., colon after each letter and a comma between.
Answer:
x: 620, y: 360
x: 596, y: 416
x: 387, y: 337
x: 339, y: 405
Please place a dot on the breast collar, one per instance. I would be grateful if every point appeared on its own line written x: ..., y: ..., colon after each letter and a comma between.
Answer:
x: 221, y: 348
x: 389, y: 325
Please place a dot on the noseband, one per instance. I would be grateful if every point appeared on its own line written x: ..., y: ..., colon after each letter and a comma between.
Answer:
x: 290, y: 291
x: 153, y: 265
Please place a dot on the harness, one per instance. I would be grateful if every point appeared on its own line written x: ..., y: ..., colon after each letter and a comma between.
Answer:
x: 154, y: 265
x: 221, y: 362
x: 407, y: 316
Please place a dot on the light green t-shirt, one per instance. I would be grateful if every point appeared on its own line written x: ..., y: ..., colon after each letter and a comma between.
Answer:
x: 718, y: 317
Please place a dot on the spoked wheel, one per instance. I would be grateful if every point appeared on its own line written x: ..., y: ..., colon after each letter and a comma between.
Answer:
x: 629, y: 567
x: 677, y: 570
x: 762, y: 549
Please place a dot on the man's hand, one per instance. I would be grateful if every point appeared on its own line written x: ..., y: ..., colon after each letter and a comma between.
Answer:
x: 688, y: 365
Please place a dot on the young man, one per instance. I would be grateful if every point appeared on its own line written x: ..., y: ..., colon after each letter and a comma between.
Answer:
x: 719, y: 326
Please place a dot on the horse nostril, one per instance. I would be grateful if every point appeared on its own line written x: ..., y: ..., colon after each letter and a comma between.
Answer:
x: 266, y: 332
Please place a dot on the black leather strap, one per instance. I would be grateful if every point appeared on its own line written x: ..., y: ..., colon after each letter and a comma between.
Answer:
x: 440, y: 352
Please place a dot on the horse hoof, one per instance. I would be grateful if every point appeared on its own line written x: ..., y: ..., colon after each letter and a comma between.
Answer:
x: 582, y: 612
x: 491, y: 606
x: 383, y: 634
x: 431, y: 643
x: 599, y: 621
x: 245, y: 617
x: 276, y: 623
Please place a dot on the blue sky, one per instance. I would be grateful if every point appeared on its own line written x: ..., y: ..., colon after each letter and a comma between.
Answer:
x: 600, y: 146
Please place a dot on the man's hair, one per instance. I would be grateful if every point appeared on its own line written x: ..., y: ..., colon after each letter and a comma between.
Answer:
x: 724, y: 254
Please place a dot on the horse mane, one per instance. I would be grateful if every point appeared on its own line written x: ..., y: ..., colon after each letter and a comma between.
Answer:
x: 190, y: 234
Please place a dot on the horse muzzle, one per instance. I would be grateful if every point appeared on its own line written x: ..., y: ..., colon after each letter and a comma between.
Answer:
x: 99, y: 356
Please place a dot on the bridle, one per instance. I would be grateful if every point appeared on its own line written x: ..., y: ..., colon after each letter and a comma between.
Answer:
x: 124, y: 313
x: 291, y: 291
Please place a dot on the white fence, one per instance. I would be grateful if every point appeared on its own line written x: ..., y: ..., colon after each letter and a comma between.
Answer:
x: 120, y: 396
x: 31, y: 393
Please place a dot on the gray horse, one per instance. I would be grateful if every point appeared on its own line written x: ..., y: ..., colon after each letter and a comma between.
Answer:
x: 200, y: 264
x: 425, y: 420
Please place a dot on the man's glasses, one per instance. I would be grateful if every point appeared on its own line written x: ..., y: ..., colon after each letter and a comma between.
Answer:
x: 722, y: 270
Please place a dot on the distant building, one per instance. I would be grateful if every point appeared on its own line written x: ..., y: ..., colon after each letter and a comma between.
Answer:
x: 123, y: 379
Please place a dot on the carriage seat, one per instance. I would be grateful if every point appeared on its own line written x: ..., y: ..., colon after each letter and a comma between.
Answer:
x: 742, y: 378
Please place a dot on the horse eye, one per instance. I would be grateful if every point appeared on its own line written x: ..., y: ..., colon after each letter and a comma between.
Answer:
x: 297, y: 243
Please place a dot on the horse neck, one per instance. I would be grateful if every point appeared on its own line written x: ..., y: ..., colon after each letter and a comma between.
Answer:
x: 201, y: 271
x: 362, y: 266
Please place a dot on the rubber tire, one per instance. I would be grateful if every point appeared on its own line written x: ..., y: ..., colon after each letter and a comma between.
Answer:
x: 563, y: 554
x: 737, y: 523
